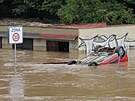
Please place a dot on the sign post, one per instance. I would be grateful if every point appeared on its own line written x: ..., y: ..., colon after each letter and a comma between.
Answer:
x: 15, y: 36
x: 14, y: 53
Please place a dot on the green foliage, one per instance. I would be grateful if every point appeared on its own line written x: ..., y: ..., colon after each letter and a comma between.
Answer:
x: 52, y: 6
x: 130, y: 1
x: 95, y: 11
x: 69, y: 12
x: 20, y: 10
x: 27, y: 8
x: 118, y: 14
x: 72, y: 11
x: 78, y: 11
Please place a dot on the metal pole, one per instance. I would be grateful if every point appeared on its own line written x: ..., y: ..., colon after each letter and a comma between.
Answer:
x: 15, y: 54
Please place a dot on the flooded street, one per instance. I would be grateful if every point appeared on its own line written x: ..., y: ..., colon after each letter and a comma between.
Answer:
x: 33, y: 80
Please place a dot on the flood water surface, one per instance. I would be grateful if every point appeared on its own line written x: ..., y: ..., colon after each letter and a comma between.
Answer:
x: 34, y: 80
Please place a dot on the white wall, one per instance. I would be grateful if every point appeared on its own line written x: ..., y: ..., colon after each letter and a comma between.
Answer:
x: 107, y: 31
x: 118, y: 30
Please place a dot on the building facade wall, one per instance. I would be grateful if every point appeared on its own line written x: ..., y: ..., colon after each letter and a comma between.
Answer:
x: 43, y: 30
x: 39, y: 44
x: 3, y: 28
x: 119, y: 31
x: 5, y: 43
x: 73, y: 45
x: 33, y: 32
x: 51, y: 30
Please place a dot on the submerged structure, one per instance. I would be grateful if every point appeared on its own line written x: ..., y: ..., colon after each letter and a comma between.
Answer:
x: 70, y: 38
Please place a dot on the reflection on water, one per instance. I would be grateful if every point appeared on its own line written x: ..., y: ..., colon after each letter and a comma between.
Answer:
x: 31, y: 80
x: 16, y: 88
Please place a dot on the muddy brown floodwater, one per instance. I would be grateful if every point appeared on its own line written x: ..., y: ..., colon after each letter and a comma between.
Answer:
x: 30, y: 80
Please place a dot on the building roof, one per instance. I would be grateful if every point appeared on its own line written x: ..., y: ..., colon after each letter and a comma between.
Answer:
x: 59, y: 36
x: 83, y: 26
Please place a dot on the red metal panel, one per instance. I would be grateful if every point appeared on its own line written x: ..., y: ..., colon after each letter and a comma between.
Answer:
x: 59, y: 36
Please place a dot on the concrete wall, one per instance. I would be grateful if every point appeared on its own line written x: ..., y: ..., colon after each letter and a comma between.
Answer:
x: 118, y: 30
x: 107, y: 31
x: 45, y: 30
x: 39, y: 44
x: 73, y: 45
x: 3, y: 28
x: 5, y: 43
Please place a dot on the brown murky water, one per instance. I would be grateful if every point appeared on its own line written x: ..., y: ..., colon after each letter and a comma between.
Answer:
x: 32, y: 81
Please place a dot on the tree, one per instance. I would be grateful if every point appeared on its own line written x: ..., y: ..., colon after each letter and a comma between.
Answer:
x: 27, y: 8
x: 19, y: 8
x: 52, y: 6
x: 78, y: 11
x: 95, y: 11
x: 130, y: 4
x: 118, y: 13
x: 71, y: 11
x: 37, y: 8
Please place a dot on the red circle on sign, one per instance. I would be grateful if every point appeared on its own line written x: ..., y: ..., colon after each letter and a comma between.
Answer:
x: 15, y: 37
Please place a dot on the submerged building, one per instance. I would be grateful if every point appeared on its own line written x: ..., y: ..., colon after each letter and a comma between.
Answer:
x: 62, y: 38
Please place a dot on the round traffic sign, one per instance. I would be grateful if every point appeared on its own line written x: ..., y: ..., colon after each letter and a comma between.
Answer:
x: 15, y: 37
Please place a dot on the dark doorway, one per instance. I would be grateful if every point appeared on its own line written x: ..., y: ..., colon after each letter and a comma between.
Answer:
x: 0, y: 42
x: 57, y: 46
x: 63, y: 46
x: 26, y: 45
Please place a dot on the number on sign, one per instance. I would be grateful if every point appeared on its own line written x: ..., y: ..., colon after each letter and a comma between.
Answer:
x: 16, y: 37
